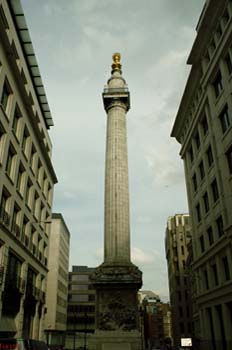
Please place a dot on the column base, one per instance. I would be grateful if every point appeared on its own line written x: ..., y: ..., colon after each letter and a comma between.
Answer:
x: 115, y: 340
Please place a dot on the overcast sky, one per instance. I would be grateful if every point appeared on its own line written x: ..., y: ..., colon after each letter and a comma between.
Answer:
x: 74, y: 41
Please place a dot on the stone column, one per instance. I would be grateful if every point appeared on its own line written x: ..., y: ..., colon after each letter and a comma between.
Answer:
x: 117, y: 227
x: 117, y: 222
x: 116, y: 280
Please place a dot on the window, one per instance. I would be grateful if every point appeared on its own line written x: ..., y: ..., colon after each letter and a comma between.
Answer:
x: 219, y: 31
x: 210, y: 235
x: 212, y: 45
x: 183, y: 264
x: 224, y: 119
x: 219, y: 223
x: 28, y: 192
x: 206, y: 202
x: 79, y: 297
x: 206, y: 279
x: 209, y: 156
x: 4, y: 208
x: 40, y: 173
x: 84, y: 278
x: 10, y: 161
x: 217, y: 84
x: 228, y: 63
x: 205, y: 126
x: 191, y: 154
x: 225, y: 17
x: 21, y: 173
x: 24, y: 228
x: 215, y: 274
x: 182, y: 327
x: 180, y: 311
x: 198, y: 212
x: 214, y: 188
x: 15, y: 221
x: 13, y: 271
x: 202, y: 244
x: 79, y: 287
x: 202, y: 170
x: 211, y: 324
x: 178, y: 280
x: 179, y: 295
x: 222, y: 326
x: 176, y: 266
x: 194, y: 179
x: 36, y: 205
x: 182, y: 250
x: 226, y: 268
x: 17, y: 116
x: 25, y: 142
x: 33, y: 158
x: 6, y: 92
x: 92, y: 297
x: 229, y: 159
x: 197, y: 140
x: 2, y: 132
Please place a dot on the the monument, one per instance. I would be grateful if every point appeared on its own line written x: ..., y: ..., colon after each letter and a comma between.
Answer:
x: 117, y: 280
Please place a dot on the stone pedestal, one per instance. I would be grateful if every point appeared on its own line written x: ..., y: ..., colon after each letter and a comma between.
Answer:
x: 116, y: 340
x: 117, y: 313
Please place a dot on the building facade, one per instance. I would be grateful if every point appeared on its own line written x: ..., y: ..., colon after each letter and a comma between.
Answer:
x: 26, y: 180
x: 57, y: 282
x: 156, y: 321
x: 81, y: 306
x: 177, y: 239
x: 203, y: 128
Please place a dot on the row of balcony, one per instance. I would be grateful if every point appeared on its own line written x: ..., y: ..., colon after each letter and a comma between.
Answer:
x: 37, y: 293
x: 16, y: 231
x: 14, y: 282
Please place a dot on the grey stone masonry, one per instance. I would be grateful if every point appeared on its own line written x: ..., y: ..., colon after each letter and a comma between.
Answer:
x: 117, y: 222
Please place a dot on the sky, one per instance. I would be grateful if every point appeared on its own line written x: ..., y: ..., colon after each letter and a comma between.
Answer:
x: 74, y: 41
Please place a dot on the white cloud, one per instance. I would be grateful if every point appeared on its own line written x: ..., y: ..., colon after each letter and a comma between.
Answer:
x: 138, y: 256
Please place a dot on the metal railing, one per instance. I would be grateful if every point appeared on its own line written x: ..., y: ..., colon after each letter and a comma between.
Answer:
x: 14, y: 281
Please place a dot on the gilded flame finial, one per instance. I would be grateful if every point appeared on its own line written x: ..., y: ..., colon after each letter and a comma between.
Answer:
x: 116, y: 64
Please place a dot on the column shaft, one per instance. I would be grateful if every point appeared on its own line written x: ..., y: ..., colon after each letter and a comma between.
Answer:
x: 117, y: 226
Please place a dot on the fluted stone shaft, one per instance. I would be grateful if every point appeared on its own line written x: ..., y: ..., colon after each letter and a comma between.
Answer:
x: 117, y: 221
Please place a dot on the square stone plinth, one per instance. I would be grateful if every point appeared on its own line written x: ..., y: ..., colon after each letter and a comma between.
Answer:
x: 116, y: 340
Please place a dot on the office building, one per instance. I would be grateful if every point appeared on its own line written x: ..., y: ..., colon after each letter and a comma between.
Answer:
x: 26, y: 180
x: 177, y: 239
x: 203, y: 128
x: 57, y: 282
x: 81, y: 307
